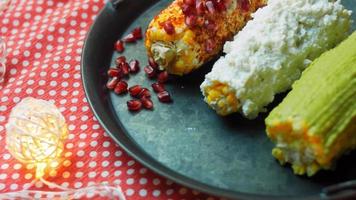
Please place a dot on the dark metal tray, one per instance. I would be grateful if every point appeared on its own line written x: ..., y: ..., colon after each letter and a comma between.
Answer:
x: 186, y: 141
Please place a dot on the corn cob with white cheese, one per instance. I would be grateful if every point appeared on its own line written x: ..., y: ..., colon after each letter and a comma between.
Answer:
x: 271, y: 51
x: 188, y: 33
x: 316, y: 123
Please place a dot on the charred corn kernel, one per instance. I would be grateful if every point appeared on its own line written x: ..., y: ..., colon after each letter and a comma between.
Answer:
x: 271, y: 51
x: 188, y: 47
x: 316, y: 123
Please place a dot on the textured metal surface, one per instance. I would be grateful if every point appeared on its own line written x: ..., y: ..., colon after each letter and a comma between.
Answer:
x: 223, y: 155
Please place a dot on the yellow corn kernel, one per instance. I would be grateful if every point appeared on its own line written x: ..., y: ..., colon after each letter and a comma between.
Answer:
x: 221, y: 104
x: 278, y: 153
x: 298, y: 169
x: 231, y: 99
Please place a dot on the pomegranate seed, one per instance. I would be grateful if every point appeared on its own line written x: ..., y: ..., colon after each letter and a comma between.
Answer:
x: 169, y: 28
x: 220, y: 5
x: 163, y: 77
x: 129, y: 38
x: 151, y: 73
x: 134, y: 66
x: 210, y: 25
x: 119, y: 46
x: 145, y: 93
x: 135, y: 90
x: 191, y: 21
x: 152, y: 63
x: 209, y: 46
x: 119, y: 60
x: 113, y: 72
x: 245, y: 5
x: 200, y: 7
x: 112, y: 83
x: 210, y: 7
x: 187, y: 10
x: 228, y: 3
x: 137, y: 33
x: 125, y: 68
x: 121, y: 87
x: 134, y: 105
x: 147, y: 103
x: 200, y: 21
x: 158, y: 87
x: 189, y: 2
x: 164, y: 97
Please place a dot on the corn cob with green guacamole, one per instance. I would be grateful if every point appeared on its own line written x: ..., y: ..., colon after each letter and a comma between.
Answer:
x: 316, y: 123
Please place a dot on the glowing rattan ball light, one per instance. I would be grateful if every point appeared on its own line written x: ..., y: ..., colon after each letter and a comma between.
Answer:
x: 36, y: 132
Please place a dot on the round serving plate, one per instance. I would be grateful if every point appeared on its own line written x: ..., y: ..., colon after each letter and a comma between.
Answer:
x: 186, y: 141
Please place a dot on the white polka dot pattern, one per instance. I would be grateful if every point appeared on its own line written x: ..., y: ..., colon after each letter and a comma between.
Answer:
x: 44, y: 40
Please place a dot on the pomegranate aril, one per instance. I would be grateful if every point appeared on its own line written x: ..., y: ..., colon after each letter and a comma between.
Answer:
x: 228, y: 3
x: 210, y: 6
x: 119, y: 46
x: 168, y: 27
x: 210, y: 25
x: 245, y: 5
x: 163, y: 77
x: 191, y: 21
x: 112, y: 83
x: 152, y: 63
x: 129, y: 38
x: 220, y: 5
x: 145, y: 93
x: 113, y: 72
x: 121, y: 87
x: 134, y: 66
x: 119, y: 60
x: 187, y: 10
x: 200, y: 21
x: 134, y: 105
x: 209, y: 46
x: 200, y: 7
x: 125, y: 68
x: 137, y: 33
x: 164, y: 97
x: 151, y: 73
x: 189, y: 2
x: 135, y: 90
x: 158, y: 87
x: 147, y: 103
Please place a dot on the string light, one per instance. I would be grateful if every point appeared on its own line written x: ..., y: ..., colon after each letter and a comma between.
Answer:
x: 35, y: 135
x: 36, y: 132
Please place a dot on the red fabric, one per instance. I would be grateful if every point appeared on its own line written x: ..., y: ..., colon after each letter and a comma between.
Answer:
x: 44, y: 41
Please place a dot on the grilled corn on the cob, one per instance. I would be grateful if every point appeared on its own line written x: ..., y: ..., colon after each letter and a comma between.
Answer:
x: 186, y: 35
x: 316, y: 123
x: 271, y: 51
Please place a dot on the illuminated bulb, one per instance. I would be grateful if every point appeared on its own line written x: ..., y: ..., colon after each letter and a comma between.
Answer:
x: 35, y: 133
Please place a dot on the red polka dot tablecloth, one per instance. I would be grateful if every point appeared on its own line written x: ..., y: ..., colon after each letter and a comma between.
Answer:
x: 44, y: 41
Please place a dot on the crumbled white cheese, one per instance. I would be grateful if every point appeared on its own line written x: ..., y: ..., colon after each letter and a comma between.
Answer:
x: 273, y: 49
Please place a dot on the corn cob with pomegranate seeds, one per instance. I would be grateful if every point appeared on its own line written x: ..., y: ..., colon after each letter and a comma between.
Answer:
x: 188, y: 33
x: 271, y: 52
x: 316, y: 123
